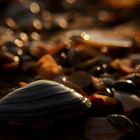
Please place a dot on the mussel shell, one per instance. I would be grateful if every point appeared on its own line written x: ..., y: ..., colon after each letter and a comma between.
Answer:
x: 121, y: 122
x: 124, y: 85
x: 42, y: 99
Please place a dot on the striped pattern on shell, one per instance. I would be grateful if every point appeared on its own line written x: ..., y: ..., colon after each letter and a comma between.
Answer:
x: 42, y: 99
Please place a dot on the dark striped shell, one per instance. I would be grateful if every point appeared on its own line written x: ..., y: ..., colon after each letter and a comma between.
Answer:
x: 42, y: 99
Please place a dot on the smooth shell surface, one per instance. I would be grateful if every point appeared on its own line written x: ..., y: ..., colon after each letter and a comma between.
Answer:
x: 100, y: 38
x: 121, y: 122
x: 42, y: 99
x: 129, y: 101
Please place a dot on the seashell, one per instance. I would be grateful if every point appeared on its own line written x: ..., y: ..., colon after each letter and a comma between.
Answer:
x: 124, y: 85
x: 121, y: 122
x: 129, y: 101
x: 42, y: 99
x: 100, y: 38
x: 98, y: 128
